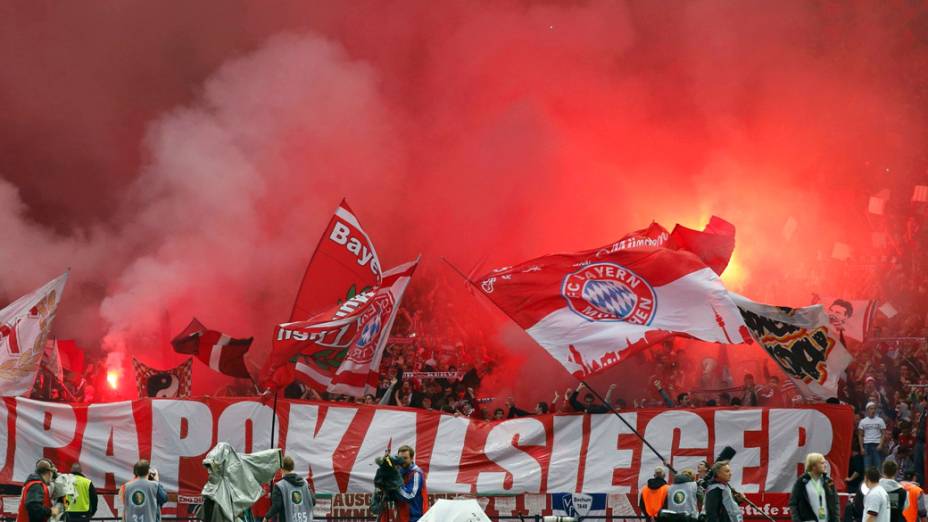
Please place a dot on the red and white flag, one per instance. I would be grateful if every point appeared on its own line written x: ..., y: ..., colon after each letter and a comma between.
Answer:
x: 592, y: 309
x: 24, y: 327
x: 217, y: 350
x: 359, y: 372
x: 802, y: 341
x: 343, y: 268
x: 172, y: 383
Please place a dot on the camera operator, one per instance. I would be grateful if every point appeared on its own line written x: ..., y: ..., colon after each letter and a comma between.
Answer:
x: 143, y: 496
x: 413, y: 498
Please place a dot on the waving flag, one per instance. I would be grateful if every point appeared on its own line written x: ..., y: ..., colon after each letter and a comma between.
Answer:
x: 344, y: 264
x: 801, y: 341
x: 591, y: 309
x: 343, y: 268
x: 217, y: 350
x: 359, y: 372
x: 852, y: 318
x: 24, y: 327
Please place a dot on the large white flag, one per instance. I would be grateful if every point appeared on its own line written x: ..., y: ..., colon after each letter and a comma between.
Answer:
x: 24, y: 327
x: 801, y: 341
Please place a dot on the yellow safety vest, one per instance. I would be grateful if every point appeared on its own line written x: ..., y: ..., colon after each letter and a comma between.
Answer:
x: 81, y: 502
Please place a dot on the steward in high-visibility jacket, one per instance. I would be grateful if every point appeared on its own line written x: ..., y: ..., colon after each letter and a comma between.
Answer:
x: 35, y: 505
x: 653, y: 495
x: 915, y: 508
x: 84, y: 505
x: 683, y: 501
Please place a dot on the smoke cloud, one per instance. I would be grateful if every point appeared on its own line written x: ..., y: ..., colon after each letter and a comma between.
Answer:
x: 184, y: 163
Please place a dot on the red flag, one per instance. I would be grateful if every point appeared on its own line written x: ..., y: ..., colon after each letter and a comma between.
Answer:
x: 714, y: 245
x: 591, y: 309
x: 344, y: 264
x: 343, y: 270
x: 71, y: 355
x: 317, y: 346
x: 220, y: 352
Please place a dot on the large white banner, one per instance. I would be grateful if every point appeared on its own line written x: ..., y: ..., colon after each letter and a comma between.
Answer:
x: 334, y: 445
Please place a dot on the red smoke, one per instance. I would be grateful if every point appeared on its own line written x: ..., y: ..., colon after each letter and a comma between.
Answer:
x: 184, y: 162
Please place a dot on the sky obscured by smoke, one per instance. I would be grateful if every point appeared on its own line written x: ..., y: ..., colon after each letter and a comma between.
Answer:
x: 182, y: 159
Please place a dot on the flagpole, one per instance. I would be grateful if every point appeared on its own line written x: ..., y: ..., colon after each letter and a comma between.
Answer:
x: 625, y: 422
x: 274, y: 418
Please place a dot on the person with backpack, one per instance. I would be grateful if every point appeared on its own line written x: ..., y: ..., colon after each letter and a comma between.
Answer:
x: 814, y: 498
x: 898, y: 498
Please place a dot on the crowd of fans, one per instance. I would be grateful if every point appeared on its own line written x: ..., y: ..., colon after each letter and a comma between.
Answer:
x: 436, y: 362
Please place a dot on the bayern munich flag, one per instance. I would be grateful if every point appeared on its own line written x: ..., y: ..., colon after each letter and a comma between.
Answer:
x: 592, y: 309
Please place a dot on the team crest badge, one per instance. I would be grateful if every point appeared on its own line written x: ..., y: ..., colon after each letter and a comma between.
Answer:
x: 610, y: 292
x: 296, y: 497
x: 138, y: 498
x: 371, y: 328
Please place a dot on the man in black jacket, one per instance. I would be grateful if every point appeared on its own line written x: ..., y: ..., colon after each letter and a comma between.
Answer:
x: 722, y: 501
x: 814, y: 498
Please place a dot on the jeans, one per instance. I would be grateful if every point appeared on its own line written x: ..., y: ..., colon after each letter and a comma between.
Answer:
x: 872, y: 457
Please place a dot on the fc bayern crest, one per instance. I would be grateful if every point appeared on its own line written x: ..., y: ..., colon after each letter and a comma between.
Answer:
x: 371, y: 329
x: 610, y: 292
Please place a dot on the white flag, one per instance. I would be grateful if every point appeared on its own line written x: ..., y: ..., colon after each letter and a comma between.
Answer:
x: 24, y: 327
x: 801, y: 341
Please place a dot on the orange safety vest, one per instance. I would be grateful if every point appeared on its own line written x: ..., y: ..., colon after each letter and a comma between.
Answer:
x: 23, y: 515
x: 654, y: 499
x: 911, y: 510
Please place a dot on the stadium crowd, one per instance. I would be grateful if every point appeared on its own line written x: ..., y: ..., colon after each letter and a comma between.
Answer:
x: 435, y: 362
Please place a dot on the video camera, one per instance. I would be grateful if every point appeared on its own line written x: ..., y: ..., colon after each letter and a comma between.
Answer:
x: 727, y: 453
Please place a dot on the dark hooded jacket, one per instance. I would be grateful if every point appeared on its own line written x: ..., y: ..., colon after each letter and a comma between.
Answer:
x: 277, y: 500
x: 801, y: 508
x: 34, y: 501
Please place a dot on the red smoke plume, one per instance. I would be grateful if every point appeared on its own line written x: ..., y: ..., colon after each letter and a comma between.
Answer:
x: 184, y: 162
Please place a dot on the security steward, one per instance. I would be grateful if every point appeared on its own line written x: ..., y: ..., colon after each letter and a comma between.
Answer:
x: 915, y: 509
x: 653, y: 495
x: 291, y: 500
x: 84, y: 505
x: 682, y: 503
x: 35, y: 505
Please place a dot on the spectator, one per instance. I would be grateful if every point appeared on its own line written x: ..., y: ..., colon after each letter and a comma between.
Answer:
x: 875, y: 501
x: 870, y: 432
